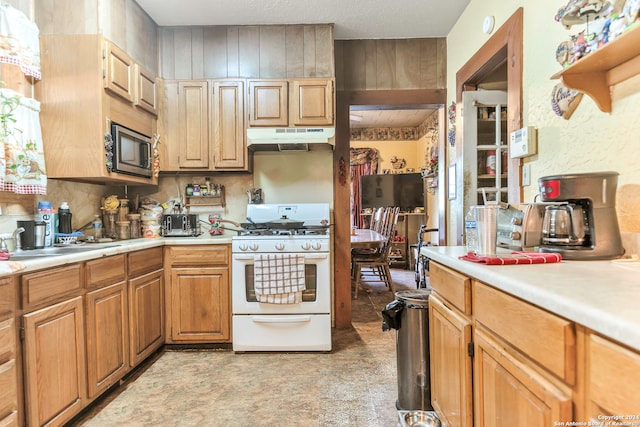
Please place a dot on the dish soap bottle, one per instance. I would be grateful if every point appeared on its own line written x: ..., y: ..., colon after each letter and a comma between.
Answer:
x: 64, y: 219
x: 471, y: 230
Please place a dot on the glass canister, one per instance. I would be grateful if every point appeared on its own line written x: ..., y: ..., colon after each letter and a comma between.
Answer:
x: 123, y: 229
x: 109, y: 218
x: 136, y: 229
x: 123, y: 210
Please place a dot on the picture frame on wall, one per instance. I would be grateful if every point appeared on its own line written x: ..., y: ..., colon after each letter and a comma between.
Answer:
x: 451, y: 182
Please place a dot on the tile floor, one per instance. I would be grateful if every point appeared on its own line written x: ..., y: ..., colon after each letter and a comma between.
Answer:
x: 354, y: 385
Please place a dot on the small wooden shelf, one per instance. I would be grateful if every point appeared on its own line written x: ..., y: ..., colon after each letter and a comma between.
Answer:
x: 613, y: 63
x: 206, y: 200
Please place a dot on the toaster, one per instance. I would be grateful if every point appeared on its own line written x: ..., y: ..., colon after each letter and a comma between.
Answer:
x: 520, y: 227
x: 179, y: 225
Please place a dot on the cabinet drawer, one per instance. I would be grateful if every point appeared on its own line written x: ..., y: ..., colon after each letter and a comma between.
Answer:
x: 547, y: 339
x: 203, y: 255
x: 47, y: 285
x: 7, y: 340
x: 10, y: 420
x: 613, y: 375
x: 105, y: 271
x: 8, y: 388
x: 452, y: 286
x: 145, y: 261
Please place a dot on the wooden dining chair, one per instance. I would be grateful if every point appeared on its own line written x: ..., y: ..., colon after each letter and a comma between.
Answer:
x: 376, y: 264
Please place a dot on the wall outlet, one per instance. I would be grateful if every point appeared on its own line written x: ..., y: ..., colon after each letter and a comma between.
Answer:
x: 526, y: 174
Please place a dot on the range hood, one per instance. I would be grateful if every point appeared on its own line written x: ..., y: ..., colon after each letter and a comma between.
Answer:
x: 290, y: 139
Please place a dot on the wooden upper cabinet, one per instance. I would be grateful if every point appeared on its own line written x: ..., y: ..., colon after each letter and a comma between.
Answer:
x: 229, y: 139
x: 193, y: 113
x: 118, y: 72
x: 268, y: 103
x: 312, y: 102
x: 146, y: 90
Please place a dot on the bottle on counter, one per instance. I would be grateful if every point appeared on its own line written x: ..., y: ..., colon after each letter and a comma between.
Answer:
x: 135, y: 226
x: 64, y: 219
x: 96, y: 227
x: 109, y: 223
x: 46, y: 214
x: 471, y: 230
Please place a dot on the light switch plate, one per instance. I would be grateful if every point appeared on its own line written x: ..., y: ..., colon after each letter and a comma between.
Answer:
x: 523, y: 142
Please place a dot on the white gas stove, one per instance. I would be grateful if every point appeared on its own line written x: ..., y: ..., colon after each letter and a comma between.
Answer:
x: 283, y: 230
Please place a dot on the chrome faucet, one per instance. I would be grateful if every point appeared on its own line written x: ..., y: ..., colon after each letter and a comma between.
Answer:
x: 16, y: 237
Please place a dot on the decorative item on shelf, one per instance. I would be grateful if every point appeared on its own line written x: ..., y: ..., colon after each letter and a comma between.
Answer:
x: 564, y: 101
x: 451, y: 135
x: 581, y: 11
x: 397, y: 163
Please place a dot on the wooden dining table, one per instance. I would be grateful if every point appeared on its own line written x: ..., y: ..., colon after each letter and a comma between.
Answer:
x: 366, y: 239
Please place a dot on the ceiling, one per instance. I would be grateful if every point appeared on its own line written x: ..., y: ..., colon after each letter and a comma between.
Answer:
x: 352, y: 19
x: 380, y: 116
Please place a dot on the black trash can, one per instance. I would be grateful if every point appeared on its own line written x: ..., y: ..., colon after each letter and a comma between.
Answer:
x: 409, y: 315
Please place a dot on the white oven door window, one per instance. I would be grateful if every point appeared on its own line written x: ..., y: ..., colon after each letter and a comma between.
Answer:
x: 315, y: 299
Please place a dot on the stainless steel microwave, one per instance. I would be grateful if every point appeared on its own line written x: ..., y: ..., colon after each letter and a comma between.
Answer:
x: 131, y: 152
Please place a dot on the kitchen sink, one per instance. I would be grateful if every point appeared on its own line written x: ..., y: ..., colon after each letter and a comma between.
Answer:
x: 59, y: 251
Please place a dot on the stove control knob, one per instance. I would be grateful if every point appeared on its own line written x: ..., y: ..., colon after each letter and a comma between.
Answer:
x: 243, y: 247
x: 280, y: 246
x: 515, y: 235
x: 316, y: 246
x: 254, y: 247
x: 306, y: 246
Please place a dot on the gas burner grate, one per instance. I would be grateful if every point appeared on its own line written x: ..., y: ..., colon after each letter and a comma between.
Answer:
x: 304, y: 231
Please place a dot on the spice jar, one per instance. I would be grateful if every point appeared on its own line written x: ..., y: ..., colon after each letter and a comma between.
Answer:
x: 123, y: 229
x: 135, y: 225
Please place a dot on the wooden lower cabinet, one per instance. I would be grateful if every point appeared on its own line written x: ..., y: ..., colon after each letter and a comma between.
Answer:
x: 107, y: 337
x: 146, y: 315
x: 199, y: 304
x: 451, y: 364
x: 509, y: 393
x: 54, y: 363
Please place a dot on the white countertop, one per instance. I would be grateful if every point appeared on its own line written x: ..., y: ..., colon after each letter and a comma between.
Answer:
x: 601, y: 295
x: 107, y: 249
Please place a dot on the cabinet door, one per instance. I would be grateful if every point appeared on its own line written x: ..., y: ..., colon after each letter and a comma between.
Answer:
x: 54, y: 361
x: 268, y: 103
x: 509, y: 393
x: 613, y: 375
x: 193, y: 113
x: 200, y: 304
x: 146, y: 93
x: 146, y: 318
x: 118, y: 72
x: 229, y: 142
x: 451, y: 365
x: 107, y: 337
x: 312, y: 102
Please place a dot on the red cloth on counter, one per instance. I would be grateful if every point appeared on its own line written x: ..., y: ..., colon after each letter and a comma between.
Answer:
x: 514, y: 258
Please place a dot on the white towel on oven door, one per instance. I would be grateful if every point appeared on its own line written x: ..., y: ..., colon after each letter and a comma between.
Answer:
x: 279, y: 278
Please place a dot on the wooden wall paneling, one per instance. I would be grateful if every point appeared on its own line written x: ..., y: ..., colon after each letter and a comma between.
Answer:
x: 297, y: 52
x: 67, y: 17
x: 272, y: 51
x: 311, y: 45
x: 142, y: 42
x: 167, y: 53
x: 408, y: 70
x: 371, y: 65
x: 386, y: 64
x: 428, y: 63
x: 182, y: 53
x: 215, y: 52
x: 197, y: 53
x: 324, y: 52
x: 248, y: 51
x: 112, y: 17
x: 441, y: 63
x: 354, y: 65
x: 339, y: 65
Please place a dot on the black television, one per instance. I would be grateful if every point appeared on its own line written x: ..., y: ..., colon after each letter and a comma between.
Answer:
x: 404, y: 190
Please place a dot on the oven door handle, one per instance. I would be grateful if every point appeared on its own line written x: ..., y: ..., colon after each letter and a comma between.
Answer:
x: 281, y: 319
x: 306, y: 257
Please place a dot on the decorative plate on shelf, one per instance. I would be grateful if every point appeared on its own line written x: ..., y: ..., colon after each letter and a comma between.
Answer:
x: 564, y: 101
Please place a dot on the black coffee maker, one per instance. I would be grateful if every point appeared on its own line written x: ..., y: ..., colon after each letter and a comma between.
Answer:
x: 580, y: 220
